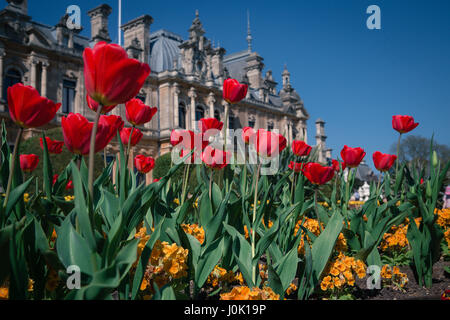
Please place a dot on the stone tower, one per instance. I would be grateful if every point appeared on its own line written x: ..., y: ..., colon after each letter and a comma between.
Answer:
x: 321, y: 140
x: 136, y: 37
x: 99, y: 23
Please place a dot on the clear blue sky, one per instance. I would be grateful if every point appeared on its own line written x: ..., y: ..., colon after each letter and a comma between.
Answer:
x: 353, y: 78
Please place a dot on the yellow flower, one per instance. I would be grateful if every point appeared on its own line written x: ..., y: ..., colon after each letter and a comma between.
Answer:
x: 176, y: 201
x: 443, y: 217
x: 4, y: 293
x: 245, y: 293
x: 30, y: 285
x: 386, y: 272
x: 69, y: 198
x: 195, y: 230
x: 292, y: 287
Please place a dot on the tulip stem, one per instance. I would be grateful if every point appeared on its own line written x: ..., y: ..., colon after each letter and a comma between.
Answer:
x: 225, y: 129
x: 292, y: 187
x: 317, y: 209
x: 186, y: 181
x: 104, y: 157
x: 129, y: 145
x: 253, y: 224
x: 210, y: 183
x: 398, y: 151
x: 92, y: 153
x: 12, y: 166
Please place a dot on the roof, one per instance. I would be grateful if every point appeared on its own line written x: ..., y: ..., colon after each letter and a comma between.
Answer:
x: 164, y: 49
x: 364, y: 173
x: 236, y: 63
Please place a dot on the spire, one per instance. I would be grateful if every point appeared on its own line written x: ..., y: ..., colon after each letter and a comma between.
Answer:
x: 196, y: 29
x: 249, y: 35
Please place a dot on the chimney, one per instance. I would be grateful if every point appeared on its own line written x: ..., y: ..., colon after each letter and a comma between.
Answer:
x: 18, y: 6
x: 99, y: 23
x: 136, y: 33
x: 254, y: 70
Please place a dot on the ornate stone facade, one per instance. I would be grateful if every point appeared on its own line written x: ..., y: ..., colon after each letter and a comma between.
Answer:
x: 185, y: 83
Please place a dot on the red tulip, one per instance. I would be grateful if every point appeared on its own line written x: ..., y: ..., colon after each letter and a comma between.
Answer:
x: 210, y: 123
x: 336, y: 167
x: 247, y: 132
x: 77, y: 132
x: 69, y: 185
x: 300, y: 148
x: 55, y: 178
x: 28, y: 162
x: 144, y: 164
x: 111, y: 77
x: 233, y: 91
x: 268, y: 143
x: 28, y: 109
x: 296, y: 166
x: 110, y: 125
x: 138, y: 113
x: 403, y: 124
x: 53, y: 146
x: 352, y: 156
x: 215, y: 158
x: 136, y: 136
x: 156, y: 180
x: 318, y: 174
x: 383, y: 161
x: 93, y: 105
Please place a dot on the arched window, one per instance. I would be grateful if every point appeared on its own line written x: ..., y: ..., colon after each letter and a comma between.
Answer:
x: 182, y: 116
x: 199, y: 113
x: 12, y: 77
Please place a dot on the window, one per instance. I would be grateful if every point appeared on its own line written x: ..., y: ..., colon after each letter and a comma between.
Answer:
x: 270, y: 126
x: 251, y: 123
x: 142, y: 98
x: 199, y: 113
x: 182, y: 116
x: 217, y: 114
x: 68, y: 98
x: 230, y: 122
x: 12, y: 77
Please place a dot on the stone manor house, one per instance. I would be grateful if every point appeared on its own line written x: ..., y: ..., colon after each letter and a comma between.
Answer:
x: 185, y: 81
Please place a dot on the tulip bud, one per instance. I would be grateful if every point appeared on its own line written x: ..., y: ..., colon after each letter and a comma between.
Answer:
x: 434, y: 159
x: 428, y: 190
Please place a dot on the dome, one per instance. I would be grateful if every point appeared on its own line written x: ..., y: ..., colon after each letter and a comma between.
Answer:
x: 164, y: 50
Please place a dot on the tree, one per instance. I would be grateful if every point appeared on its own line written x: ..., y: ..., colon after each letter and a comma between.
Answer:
x: 416, y: 150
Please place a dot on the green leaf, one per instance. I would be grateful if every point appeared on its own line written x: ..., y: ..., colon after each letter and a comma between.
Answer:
x: 81, y: 208
x: 275, y: 282
x: 324, y: 244
x: 73, y: 249
x: 16, y: 195
x: 47, y: 168
x: 207, y: 261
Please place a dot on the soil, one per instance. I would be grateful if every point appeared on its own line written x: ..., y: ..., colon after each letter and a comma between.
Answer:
x: 412, y: 291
